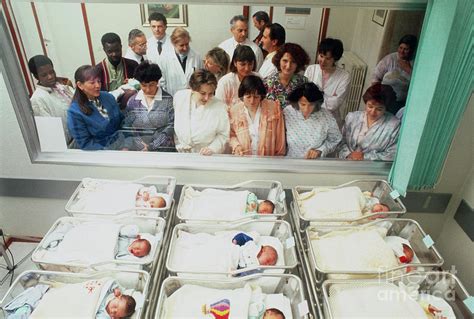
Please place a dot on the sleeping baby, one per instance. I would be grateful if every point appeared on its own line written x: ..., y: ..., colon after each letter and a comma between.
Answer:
x: 148, y: 197
x: 130, y: 242
x: 251, y: 254
x: 99, y: 298
x: 253, y: 205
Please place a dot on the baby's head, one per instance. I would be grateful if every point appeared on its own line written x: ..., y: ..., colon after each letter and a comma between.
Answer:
x: 157, y: 202
x: 121, y: 306
x: 408, y: 254
x: 273, y: 313
x: 265, y: 207
x: 139, y: 247
x: 380, y: 208
x: 267, y: 256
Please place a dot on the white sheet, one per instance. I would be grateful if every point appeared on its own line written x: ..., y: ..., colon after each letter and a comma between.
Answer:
x: 341, y: 203
x: 362, y: 250
x: 189, y: 300
x: 214, y: 204
x: 204, y: 252
x: 86, y: 243
x: 375, y: 301
x: 106, y: 197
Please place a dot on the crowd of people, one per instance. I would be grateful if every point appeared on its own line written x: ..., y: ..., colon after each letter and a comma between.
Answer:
x: 244, y: 97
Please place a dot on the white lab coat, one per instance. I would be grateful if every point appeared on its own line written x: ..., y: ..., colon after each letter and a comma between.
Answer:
x: 152, y: 48
x: 174, y: 79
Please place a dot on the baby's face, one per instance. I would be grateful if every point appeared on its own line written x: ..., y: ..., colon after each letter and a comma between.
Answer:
x: 157, y: 202
x: 409, y: 254
x: 380, y: 208
x: 117, y: 308
x: 138, y: 248
x: 272, y: 315
x: 267, y: 256
x: 265, y: 208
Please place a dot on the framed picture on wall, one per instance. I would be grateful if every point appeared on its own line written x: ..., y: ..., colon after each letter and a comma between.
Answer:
x: 176, y: 14
x: 379, y: 16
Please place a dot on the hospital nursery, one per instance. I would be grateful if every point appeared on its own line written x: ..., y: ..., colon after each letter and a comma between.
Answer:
x: 315, y: 163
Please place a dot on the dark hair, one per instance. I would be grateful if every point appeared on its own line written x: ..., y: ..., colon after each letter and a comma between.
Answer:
x: 201, y: 77
x: 381, y: 93
x: 110, y: 37
x: 243, y: 53
x: 237, y: 18
x: 296, y: 51
x: 130, y: 305
x: 310, y: 91
x: 83, y: 74
x: 147, y: 72
x: 156, y: 16
x: 133, y: 34
x: 38, y: 61
x: 277, y: 32
x: 275, y: 311
x: 411, y: 41
x: 252, y: 84
x: 334, y: 46
x: 261, y: 16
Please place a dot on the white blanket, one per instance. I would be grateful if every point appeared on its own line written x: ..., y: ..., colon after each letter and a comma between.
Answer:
x: 360, y: 250
x: 341, y: 203
x: 79, y: 300
x: 106, y: 197
x: 204, y: 252
x: 214, y: 204
x: 189, y: 301
x: 87, y: 243
x: 375, y: 301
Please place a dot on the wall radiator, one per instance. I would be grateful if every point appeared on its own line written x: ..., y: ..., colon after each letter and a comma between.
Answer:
x: 357, y: 69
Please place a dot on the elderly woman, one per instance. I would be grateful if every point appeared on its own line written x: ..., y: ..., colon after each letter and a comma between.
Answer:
x: 178, y: 65
x: 94, y: 116
x: 149, y: 114
x: 371, y: 134
x: 395, y: 70
x: 311, y: 131
x: 201, y: 123
x: 290, y: 59
x: 331, y: 80
x: 51, y: 98
x: 243, y: 63
x: 256, y: 124
x: 216, y: 61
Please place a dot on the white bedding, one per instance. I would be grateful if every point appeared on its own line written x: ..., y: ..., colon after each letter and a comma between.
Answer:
x: 202, y: 252
x: 375, y: 301
x: 189, y: 301
x: 79, y: 300
x: 363, y: 250
x: 86, y: 243
x: 213, y: 204
x: 324, y: 203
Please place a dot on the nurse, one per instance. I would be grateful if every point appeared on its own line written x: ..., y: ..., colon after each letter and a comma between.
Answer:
x: 178, y: 65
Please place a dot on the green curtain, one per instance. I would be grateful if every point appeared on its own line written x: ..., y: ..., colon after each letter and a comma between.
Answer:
x: 441, y: 85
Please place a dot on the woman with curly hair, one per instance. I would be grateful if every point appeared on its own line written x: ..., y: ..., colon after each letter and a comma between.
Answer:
x: 290, y: 59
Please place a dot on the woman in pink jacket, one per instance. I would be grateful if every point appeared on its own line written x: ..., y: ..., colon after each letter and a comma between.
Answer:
x: 257, y: 126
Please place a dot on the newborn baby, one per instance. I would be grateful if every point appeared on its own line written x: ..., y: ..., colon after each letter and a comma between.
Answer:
x: 402, y: 249
x: 251, y: 254
x: 115, y: 305
x: 130, y: 242
x: 253, y: 206
x: 273, y: 313
x: 148, y: 197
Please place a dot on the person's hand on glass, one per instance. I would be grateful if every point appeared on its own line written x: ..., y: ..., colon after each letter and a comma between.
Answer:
x: 356, y: 156
x: 206, y: 151
x: 312, y: 154
x: 238, y: 151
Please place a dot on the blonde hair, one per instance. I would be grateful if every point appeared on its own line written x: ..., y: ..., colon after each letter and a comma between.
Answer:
x: 178, y: 34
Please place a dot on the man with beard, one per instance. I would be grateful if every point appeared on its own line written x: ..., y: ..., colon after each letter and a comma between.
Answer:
x: 115, y: 70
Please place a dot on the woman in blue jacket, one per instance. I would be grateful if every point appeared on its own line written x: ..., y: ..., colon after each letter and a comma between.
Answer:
x: 94, y: 116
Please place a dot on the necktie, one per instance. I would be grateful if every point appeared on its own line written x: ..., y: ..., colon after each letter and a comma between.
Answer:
x: 142, y: 59
x: 159, y: 47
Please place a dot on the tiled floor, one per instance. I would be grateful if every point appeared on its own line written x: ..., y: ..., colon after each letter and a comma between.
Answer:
x: 20, y: 251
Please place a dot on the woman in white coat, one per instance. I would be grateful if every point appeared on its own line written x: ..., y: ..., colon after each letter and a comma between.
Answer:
x: 201, y: 123
x: 178, y: 65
